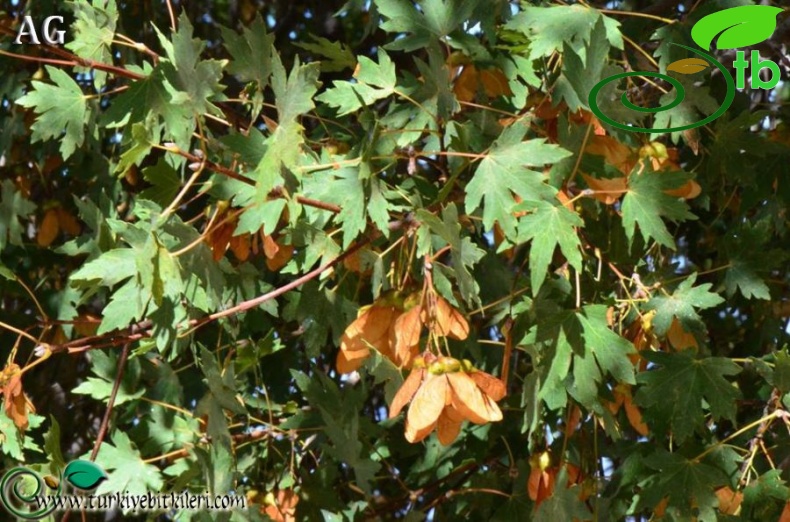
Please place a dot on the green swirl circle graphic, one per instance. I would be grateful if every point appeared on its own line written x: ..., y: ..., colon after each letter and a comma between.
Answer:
x: 11, y: 495
x: 680, y: 94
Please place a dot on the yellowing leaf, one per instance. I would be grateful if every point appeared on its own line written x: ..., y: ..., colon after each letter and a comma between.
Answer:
x: 465, y: 85
x: 277, y: 254
x: 730, y: 501
x: 49, y: 228
x: 614, y: 152
x: 68, y: 223
x: 350, y: 361
x: 689, y: 190
x: 494, y: 83
x: 219, y: 239
x: 574, y: 419
x: 607, y: 191
x: 16, y: 403
x: 240, y: 246
x: 540, y: 485
x: 283, y: 509
x: 635, y: 416
x: 679, y: 338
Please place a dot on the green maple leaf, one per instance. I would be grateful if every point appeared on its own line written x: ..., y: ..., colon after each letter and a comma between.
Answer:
x: 668, y: 35
x: 251, y: 52
x: 689, y: 486
x: 697, y: 104
x: 167, y: 281
x: 673, y: 394
x: 131, y: 474
x: 581, y: 345
x: 338, y: 55
x: 139, y: 147
x: 503, y: 173
x: 52, y: 446
x: 14, y: 440
x: 61, y: 110
x: 609, y: 349
x: 319, y: 312
x: 345, y: 189
x: 264, y: 216
x: 340, y: 412
x: 766, y: 497
x: 126, y: 305
x: 435, y: 20
x: 549, y: 226
x: 550, y: 28
x: 359, y: 197
x: 683, y: 304
x: 221, y: 382
x: 153, y: 95
x: 465, y: 253
x: 13, y: 205
x: 109, y: 269
x: 747, y: 248
x: 166, y: 183
x: 196, y: 80
x: 646, y: 203
x: 93, y: 33
x: 374, y: 81
x: 101, y: 389
x: 293, y: 97
x: 581, y: 71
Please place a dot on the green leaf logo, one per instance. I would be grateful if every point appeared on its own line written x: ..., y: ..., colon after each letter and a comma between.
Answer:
x: 739, y: 26
x: 84, y: 474
x: 688, y: 66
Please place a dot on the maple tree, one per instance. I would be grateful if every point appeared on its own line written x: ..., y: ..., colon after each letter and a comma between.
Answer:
x: 379, y: 260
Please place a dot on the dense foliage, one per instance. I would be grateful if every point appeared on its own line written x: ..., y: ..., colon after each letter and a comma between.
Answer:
x: 238, y: 240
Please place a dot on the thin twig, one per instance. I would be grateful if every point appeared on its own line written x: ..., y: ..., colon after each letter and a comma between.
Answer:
x: 143, y: 329
x: 105, y: 422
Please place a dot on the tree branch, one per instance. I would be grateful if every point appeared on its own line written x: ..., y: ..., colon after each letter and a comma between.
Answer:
x: 143, y: 329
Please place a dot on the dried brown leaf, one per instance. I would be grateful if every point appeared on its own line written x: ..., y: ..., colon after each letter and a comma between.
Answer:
x: 490, y: 385
x: 406, y: 391
x: 607, y: 191
x: 16, y: 402
x: 240, y: 246
x: 449, y: 321
x: 48, y: 229
x: 428, y: 402
x: 406, y: 332
x: 448, y: 427
x: 470, y: 401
